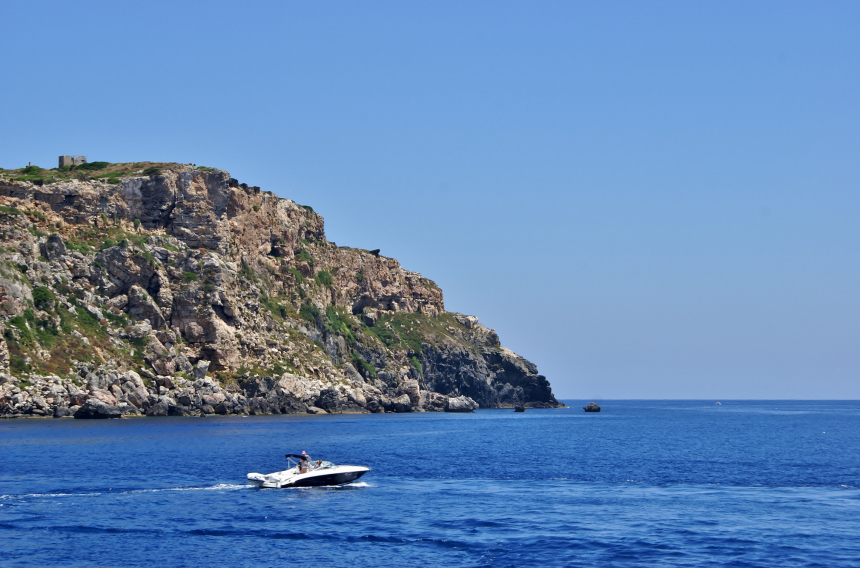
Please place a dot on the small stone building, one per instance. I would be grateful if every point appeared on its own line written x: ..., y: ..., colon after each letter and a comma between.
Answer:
x: 72, y: 160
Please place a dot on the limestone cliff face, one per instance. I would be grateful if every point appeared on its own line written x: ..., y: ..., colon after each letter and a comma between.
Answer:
x: 226, y: 299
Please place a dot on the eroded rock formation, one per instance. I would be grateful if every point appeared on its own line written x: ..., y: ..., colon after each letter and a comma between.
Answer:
x: 185, y: 292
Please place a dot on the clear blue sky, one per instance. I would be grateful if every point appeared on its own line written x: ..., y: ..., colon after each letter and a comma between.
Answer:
x: 646, y: 199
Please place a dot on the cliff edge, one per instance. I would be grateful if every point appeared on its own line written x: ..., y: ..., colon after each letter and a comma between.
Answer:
x: 171, y: 289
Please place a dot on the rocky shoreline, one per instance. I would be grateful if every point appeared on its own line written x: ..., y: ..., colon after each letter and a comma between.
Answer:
x: 110, y: 394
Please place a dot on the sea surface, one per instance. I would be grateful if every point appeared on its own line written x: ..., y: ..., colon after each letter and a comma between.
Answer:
x: 643, y: 483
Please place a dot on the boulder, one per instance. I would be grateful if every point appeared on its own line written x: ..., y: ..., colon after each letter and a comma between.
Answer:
x: 201, y: 369
x: 433, y: 401
x: 164, y: 381
x: 410, y: 388
x: 591, y: 407
x: 402, y: 403
x: 159, y: 357
x: 78, y: 398
x: 329, y: 399
x: 53, y: 248
x: 95, y: 408
x: 143, y: 307
x: 461, y: 404
x: 160, y: 408
x: 61, y: 411
x: 103, y: 396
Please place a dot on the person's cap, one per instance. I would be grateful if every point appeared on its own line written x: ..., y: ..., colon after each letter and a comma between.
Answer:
x: 303, y: 451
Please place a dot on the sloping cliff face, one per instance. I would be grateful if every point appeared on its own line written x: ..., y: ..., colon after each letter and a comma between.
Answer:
x: 185, y: 292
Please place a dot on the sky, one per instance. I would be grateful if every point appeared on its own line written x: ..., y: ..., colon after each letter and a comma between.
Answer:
x: 645, y: 199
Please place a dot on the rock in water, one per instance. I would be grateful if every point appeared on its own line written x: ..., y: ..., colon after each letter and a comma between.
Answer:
x: 94, y: 408
x: 592, y: 407
x: 461, y: 404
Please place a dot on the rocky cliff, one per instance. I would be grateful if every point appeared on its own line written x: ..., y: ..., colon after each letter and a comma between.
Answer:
x: 136, y: 289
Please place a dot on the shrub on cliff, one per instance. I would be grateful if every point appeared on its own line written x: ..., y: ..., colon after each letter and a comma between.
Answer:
x: 337, y: 324
x: 304, y: 256
x: 311, y: 313
x: 43, y: 298
x: 366, y: 369
x: 324, y: 278
x: 92, y: 166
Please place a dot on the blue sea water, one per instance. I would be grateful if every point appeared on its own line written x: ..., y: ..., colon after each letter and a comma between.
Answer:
x: 643, y: 483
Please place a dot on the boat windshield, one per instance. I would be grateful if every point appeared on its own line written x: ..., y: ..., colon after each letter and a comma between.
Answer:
x: 322, y: 465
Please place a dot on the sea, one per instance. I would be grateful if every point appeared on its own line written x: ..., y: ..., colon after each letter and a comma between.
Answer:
x: 642, y: 483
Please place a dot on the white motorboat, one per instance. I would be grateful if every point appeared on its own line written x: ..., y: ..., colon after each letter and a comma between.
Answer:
x: 316, y: 474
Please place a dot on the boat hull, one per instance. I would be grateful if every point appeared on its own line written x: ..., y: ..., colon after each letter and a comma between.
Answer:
x: 328, y: 479
x: 330, y: 476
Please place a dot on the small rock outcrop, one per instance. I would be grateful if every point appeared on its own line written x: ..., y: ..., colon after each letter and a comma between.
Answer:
x: 461, y: 404
x: 591, y: 407
x: 95, y: 408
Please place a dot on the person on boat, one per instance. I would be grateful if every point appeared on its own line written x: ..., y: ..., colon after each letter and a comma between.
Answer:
x: 304, y: 462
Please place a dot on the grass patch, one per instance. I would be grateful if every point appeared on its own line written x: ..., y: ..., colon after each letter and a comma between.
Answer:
x: 43, y: 298
x: 366, y: 369
x: 311, y: 313
x: 304, y: 256
x: 417, y: 364
x: 297, y: 275
x: 92, y: 166
x: 274, y: 307
x: 324, y: 278
x: 336, y: 322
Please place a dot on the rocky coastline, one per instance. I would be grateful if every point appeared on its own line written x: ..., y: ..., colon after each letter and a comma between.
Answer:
x: 177, y: 291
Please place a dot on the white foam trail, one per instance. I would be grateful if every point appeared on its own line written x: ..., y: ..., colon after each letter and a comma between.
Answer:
x: 45, y: 495
x: 218, y: 487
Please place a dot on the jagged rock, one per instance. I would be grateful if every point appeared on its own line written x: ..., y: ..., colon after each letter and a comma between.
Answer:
x: 142, y: 306
x: 591, y: 407
x: 14, y: 298
x: 165, y: 382
x: 159, y: 358
x: 410, y: 388
x: 433, y: 401
x: 201, y: 368
x: 95, y: 408
x: 466, y: 321
x: 103, y: 396
x: 369, y: 316
x: 61, y: 412
x: 4, y: 356
x: 183, y: 364
x: 160, y: 408
x: 402, y: 403
x: 119, y: 302
x: 329, y: 400
x: 461, y: 404
x: 53, y: 248
x: 166, y: 336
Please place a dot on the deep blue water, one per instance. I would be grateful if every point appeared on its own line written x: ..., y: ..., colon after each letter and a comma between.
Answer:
x: 643, y: 483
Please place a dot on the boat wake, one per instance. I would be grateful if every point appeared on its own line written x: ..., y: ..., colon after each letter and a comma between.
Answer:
x: 217, y: 487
